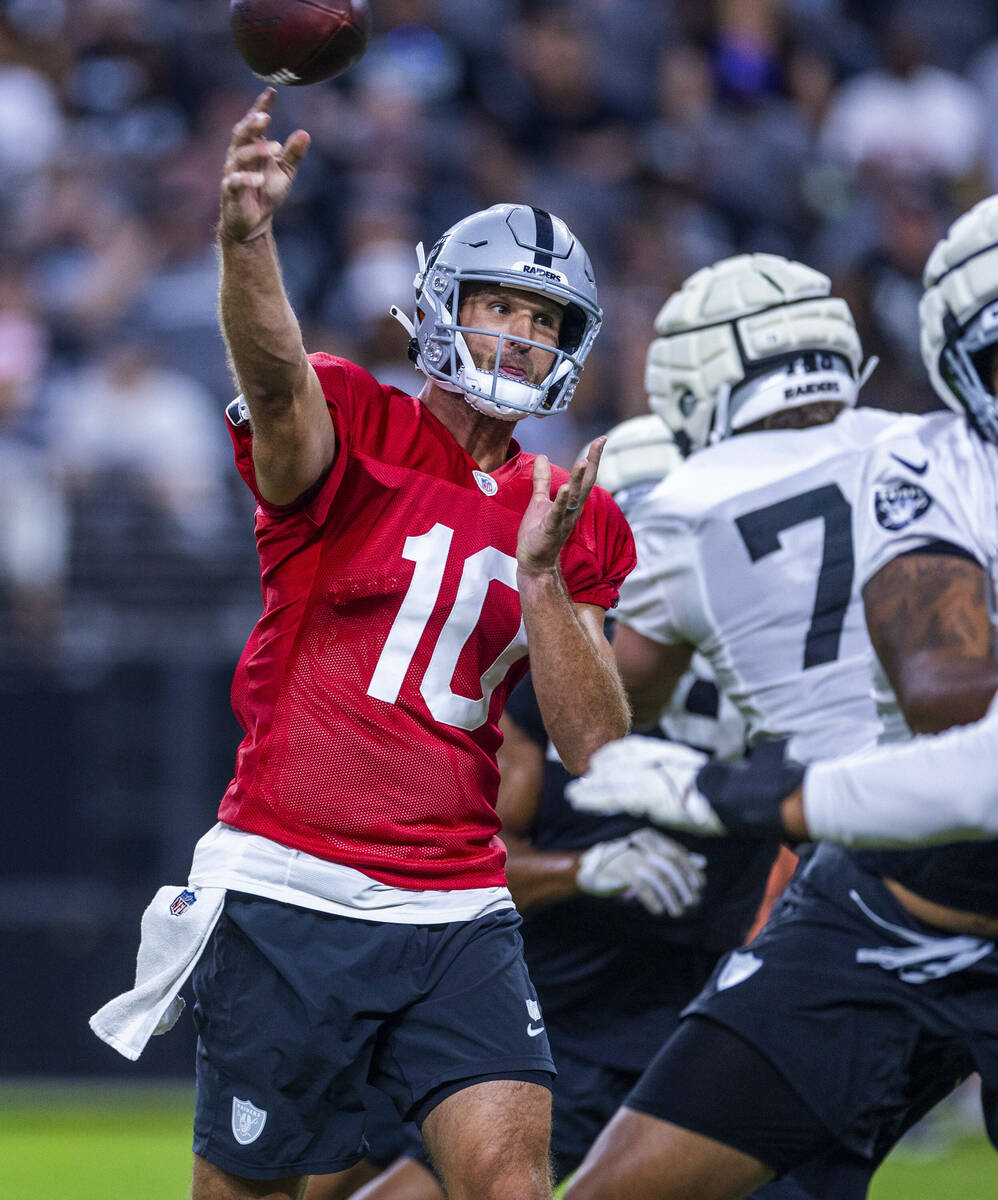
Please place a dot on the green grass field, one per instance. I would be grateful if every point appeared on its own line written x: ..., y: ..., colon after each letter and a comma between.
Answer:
x: 121, y: 1142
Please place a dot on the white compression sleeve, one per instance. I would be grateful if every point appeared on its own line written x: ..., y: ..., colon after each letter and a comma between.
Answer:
x: 935, y: 788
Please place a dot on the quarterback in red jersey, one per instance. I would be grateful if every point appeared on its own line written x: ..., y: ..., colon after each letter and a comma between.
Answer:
x: 392, y: 632
x: 411, y: 554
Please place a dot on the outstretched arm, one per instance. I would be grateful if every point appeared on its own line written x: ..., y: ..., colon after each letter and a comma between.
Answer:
x: 293, y: 438
x: 934, y: 789
x: 578, y: 688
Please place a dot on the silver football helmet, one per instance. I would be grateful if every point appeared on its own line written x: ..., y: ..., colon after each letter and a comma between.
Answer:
x: 747, y: 337
x: 638, y: 454
x: 515, y: 246
x: 959, y: 316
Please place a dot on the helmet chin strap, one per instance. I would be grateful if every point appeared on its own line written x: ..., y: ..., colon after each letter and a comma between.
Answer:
x: 492, y: 406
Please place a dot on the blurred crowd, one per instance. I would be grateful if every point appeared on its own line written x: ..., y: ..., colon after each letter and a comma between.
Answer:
x: 668, y: 133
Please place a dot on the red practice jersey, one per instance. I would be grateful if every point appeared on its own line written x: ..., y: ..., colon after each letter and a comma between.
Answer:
x: 371, y: 687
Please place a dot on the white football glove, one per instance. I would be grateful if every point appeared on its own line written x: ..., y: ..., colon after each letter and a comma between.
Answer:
x: 647, y: 777
x: 645, y: 866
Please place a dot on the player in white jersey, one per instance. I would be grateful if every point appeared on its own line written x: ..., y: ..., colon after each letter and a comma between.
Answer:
x: 906, y: 938
x: 745, y: 552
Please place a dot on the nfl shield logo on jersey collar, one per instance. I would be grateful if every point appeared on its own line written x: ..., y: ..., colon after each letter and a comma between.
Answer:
x: 486, y: 483
x: 247, y: 1121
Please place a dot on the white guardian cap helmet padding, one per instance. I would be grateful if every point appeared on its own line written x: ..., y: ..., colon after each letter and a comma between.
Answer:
x: 639, y: 452
x: 512, y: 245
x: 747, y: 337
x: 959, y: 316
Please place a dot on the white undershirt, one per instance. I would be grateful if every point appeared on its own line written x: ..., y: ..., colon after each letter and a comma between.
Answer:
x: 245, y: 862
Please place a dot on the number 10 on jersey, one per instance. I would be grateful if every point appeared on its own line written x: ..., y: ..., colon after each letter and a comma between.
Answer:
x: 430, y: 552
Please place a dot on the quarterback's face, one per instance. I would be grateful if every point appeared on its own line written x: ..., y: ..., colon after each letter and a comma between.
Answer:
x: 518, y: 315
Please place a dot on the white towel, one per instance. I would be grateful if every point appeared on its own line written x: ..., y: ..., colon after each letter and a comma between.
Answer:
x: 175, y: 928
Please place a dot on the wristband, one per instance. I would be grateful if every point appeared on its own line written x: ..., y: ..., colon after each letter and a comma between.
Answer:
x: 748, y: 796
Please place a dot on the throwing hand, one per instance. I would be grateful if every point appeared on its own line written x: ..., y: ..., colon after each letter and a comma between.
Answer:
x: 258, y: 173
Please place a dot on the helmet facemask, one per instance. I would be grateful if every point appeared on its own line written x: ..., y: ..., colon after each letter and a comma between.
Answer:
x: 491, y: 248
x: 965, y: 368
x: 446, y: 357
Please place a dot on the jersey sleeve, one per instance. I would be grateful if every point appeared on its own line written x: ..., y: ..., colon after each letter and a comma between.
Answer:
x: 892, y: 796
x: 339, y: 380
x: 599, y: 554
x: 660, y: 597
x: 916, y: 491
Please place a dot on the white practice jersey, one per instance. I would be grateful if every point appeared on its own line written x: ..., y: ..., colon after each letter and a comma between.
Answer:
x: 699, y: 714
x: 746, y: 552
x: 937, y: 483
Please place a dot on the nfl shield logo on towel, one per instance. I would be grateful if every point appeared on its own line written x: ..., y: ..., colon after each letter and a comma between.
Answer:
x: 247, y: 1121
x: 182, y: 902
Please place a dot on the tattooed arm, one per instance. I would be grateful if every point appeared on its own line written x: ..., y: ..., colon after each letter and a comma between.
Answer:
x: 929, y: 622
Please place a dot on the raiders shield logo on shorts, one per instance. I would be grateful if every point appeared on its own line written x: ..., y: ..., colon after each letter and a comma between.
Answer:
x: 739, y: 967
x: 247, y: 1121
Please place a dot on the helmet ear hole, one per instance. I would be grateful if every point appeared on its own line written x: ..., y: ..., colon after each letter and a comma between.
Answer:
x: 683, y: 443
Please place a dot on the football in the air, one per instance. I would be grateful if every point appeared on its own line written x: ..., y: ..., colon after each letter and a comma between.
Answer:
x: 295, y: 42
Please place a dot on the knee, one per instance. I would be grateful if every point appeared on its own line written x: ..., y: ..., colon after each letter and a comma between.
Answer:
x: 497, y: 1176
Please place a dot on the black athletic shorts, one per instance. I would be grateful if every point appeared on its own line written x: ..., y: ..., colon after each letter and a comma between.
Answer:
x: 386, y: 1136
x: 298, y: 1012
x: 869, y: 1017
x: 586, y: 1095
